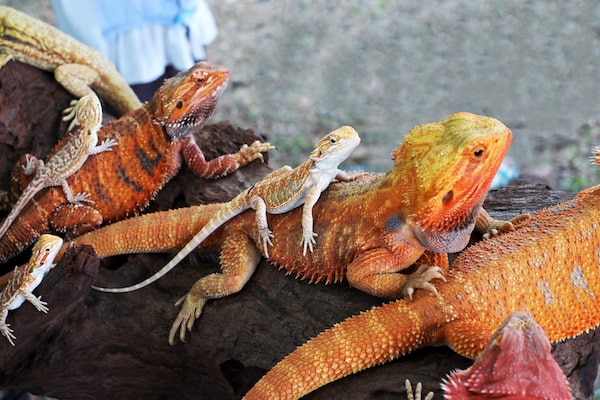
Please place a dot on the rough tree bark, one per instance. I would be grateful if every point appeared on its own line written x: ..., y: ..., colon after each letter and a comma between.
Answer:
x: 94, y: 345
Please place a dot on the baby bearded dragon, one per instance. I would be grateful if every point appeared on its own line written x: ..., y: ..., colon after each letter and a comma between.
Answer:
x: 370, y: 230
x: 279, y: 192
x: 153, y: 142
x: 76, y: 66
x: 515, y: 364
x: 547, y: 267
x: 26, y: 278
x: 87, y: 118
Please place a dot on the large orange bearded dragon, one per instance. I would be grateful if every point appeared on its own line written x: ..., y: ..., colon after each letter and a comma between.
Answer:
x: 547, y: 268
x: 369, y: 230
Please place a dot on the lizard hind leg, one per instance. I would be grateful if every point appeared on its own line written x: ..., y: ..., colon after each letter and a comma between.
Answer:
x: 239, y: 258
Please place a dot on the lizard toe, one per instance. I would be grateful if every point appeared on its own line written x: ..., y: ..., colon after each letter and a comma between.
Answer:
x: 189, y: 313
x: 420, y: 279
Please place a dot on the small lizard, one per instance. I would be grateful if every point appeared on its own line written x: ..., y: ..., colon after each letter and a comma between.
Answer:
x: 79, y: 68
x: 152, y: 141
x: 86, y: 115
x: 26, y: 278
x: 516, y: 364
x: 369, y: 229
x: 547, y: 267
x: 279, y: 192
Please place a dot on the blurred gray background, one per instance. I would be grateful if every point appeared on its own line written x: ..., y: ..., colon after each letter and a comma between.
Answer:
x: 301, y: 68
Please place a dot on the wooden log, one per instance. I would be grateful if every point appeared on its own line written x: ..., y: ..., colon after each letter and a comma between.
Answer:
x: 95, y: 345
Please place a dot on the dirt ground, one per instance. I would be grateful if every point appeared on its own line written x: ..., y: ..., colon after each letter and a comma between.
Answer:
x: 302, y: 68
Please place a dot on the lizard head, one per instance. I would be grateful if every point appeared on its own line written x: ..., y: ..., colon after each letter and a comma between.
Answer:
x: 44, y: 251
x: 445, y: 169
x: 188, y: 99
x: 335, y: 147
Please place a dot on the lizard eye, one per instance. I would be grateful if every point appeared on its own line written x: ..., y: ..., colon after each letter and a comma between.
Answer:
x: 179, y: 104
x: 332, y: 140
x: 200, y: 81
x: 477, y: 153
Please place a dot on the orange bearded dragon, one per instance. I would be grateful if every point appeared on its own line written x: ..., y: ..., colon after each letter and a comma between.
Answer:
x: 369, y: 230
x: 547, y: 268
x: 152, y: 143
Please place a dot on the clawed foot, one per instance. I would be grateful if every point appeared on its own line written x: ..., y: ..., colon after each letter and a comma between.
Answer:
x: 253, y: 152
x: 7, y: 333
x: 31, y: 164
x: 497, y: 226
x: 190, y: 312
x: 417, y: 393
x: 264, y: 236
x: 308, y: 239
x: 39, y: 304
x: 69, y: 112
x: 420, y: 280
x: 106, y: 145
x: 80, y: 198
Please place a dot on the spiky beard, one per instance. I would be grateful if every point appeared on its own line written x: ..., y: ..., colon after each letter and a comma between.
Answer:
x: 195, y: 119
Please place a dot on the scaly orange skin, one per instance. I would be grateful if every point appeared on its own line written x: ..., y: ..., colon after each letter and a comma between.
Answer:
x: 151, y: 142
x: 368, y: 229
x: 547, y: 268
x: 516, y: 364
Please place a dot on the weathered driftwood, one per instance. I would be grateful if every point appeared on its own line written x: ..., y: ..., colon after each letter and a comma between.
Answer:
x: 95, y: 345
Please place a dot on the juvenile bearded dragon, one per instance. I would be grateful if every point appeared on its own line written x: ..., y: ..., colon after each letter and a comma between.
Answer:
x: 26, y: 278
x: 77, y: 67
x: 86, y: 114
x: 278, y: 193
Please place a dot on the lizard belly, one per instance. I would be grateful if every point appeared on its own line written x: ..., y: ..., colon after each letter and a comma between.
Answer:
x: 17, y: 302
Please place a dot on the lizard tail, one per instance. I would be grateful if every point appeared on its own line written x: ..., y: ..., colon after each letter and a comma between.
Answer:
x: 225, y: 213
x: 159, y: 232
x: 363, y: 341
x: 35, y: 186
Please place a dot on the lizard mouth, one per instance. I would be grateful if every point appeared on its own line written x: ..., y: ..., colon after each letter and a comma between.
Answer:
x: 180, y: 127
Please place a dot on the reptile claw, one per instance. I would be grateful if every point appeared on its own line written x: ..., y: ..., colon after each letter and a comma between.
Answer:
x: 420, y: 280
x: 265, y: 235
x: 253, y: 152
x: 189, y: 313
x: 308, y: 240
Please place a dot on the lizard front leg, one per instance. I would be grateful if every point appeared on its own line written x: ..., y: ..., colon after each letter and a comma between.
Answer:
x: 4, y: 327
x: 239, y: 258
x: 308, y: 234
x: 377, y: 272
x: 222, y: 165
x: 489, y: 226
x: 35, y: 301
x: 76, y: 78
x: 264, y: 233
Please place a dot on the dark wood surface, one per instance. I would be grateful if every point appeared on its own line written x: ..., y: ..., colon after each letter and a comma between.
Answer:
x: 95, y: 345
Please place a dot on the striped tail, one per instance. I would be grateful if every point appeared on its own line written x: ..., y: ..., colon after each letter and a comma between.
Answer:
x: 235, y: 207
x: 363, y: 341
x: 30, y: 191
